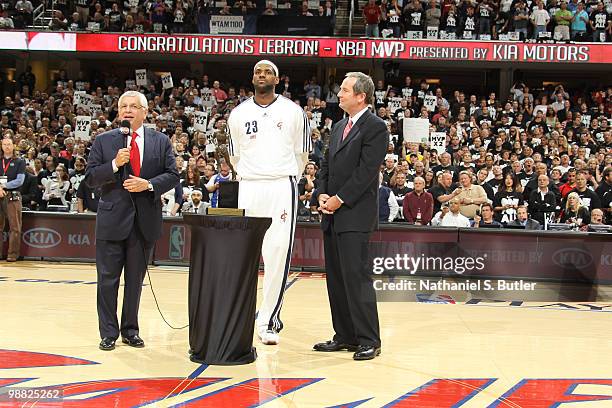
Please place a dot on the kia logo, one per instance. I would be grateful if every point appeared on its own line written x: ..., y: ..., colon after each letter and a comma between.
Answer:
x: 42, y: 238
x: 572, y: 256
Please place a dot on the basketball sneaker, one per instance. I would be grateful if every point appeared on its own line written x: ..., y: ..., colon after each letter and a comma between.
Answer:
x: 269, y: 337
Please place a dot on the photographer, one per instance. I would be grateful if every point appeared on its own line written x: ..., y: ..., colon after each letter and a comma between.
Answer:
x: 11, y: 179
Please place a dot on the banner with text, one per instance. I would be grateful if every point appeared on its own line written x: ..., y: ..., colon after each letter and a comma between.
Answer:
x: 223, y: 24
x: 346, y: 48
x: 226, y: 24
x: 83, y: 127
x: 437, y: 140
x: 504, y: 254
x: 324, y: 47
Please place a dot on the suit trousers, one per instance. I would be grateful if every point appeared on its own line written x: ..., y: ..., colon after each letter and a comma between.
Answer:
x: 350, y: 289
x: 130, y: 255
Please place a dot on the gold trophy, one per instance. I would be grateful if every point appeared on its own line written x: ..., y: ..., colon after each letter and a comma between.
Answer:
x: 228, y: 190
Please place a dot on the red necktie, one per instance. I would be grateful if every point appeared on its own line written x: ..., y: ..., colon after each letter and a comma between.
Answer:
x: 347, y: 129
x: 135, y: 156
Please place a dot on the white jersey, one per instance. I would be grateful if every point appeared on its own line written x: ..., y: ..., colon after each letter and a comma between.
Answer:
x: 267, y: 139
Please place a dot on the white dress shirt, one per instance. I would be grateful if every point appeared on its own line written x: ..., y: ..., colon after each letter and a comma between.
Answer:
x: 355, y: 118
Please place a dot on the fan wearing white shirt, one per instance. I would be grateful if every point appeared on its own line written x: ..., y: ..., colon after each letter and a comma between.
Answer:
x: 449, y: 216
x: 540, y: 19
x: 388, y: 202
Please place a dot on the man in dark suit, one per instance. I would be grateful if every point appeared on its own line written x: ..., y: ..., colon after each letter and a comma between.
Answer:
x: 542, y: 201
x: 131, y: 171
x: 30, y: 194
x: 349, y: 201
x: 522, y: 218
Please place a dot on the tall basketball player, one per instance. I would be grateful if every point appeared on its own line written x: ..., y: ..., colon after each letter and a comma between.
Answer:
x: 269, y: 144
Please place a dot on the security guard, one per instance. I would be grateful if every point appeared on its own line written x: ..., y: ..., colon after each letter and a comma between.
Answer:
x: 12, y: 175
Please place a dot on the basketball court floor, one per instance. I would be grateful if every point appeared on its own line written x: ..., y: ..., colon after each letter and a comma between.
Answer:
x: 440, y: 354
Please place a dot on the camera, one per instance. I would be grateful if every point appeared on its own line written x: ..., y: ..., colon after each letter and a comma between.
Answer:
x: 14, y: 195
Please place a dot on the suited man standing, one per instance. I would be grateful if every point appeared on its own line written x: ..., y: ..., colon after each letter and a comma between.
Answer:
x: 131, y: 180
x: 349, y: 201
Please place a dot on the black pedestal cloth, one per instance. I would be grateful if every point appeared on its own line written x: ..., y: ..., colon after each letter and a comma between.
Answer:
x: 225, y: 253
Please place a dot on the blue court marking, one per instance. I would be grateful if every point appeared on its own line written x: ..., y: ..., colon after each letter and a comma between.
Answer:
x: 198, y: 371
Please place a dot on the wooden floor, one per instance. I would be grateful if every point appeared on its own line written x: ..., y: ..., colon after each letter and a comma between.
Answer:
x: 433, y: 355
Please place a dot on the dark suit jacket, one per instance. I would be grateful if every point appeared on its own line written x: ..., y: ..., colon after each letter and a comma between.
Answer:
x: 533, y: 185
x: 29, y: 191
x: 350, y: 170
x: 116, y: 214
x: 538, y: 207
x: 530, y: 225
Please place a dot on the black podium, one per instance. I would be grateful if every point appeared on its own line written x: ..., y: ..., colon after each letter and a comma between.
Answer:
x: 224, y: 261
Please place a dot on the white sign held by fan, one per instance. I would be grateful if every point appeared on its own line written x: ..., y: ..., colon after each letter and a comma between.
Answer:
x: 167, y: 80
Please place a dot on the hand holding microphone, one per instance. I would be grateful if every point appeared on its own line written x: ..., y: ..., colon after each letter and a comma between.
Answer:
x: 123, y: 155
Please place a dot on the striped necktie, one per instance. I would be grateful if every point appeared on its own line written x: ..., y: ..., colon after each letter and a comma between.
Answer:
x: 347, y: 129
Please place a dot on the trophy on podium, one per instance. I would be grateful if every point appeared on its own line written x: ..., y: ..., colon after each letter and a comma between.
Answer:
x: 228, y: 190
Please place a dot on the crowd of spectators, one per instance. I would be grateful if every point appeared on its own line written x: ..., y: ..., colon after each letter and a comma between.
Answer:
x: 540, y: 156
x: 143, y: 16
x: 546, y: 155
x: 16, y: 14
x: 467, y: 19
x: 471, y: 19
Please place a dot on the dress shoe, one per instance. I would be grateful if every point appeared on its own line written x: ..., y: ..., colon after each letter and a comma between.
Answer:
x: 133, y: 341
x: 366, y: 353
x: 11, y: 259
x: 107, y: 344
x: 332, y: 345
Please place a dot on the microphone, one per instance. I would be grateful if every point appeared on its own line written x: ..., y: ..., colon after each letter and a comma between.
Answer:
x: 124, y: 128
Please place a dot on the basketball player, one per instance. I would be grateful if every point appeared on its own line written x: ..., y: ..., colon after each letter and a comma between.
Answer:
x: 269, y: 144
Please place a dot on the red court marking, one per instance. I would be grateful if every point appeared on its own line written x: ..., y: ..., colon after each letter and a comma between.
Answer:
x: 5, y: 382
x: 27, y: 359
x: 250, y: 393
x: 126, y: 393
x: 442, y: 393
x: 545, y: 393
